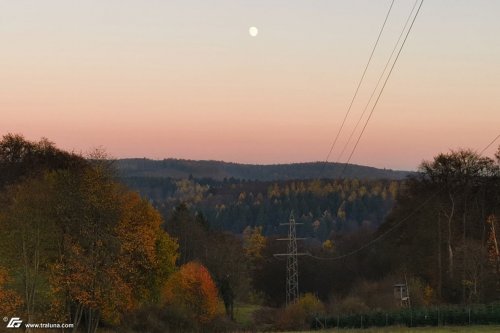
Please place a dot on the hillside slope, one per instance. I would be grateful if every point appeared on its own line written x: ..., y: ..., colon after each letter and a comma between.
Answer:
x: 218, y: 170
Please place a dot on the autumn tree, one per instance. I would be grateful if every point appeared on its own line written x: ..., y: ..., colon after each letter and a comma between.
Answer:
x: 147, y: 254
x: 253, y: 243
x: 192, y: 294
x: 10, y: 300
x: 115, y: 254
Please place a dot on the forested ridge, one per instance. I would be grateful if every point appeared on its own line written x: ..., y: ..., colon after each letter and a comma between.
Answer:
x: 219, y: 170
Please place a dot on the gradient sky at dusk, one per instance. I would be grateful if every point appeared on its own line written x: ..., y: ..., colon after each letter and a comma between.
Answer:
x: 184, y: 79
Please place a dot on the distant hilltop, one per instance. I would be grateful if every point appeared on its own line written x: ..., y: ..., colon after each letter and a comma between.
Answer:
x: 219, y: 170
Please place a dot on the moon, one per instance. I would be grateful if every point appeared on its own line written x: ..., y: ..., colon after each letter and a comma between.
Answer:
x: 253, y: 31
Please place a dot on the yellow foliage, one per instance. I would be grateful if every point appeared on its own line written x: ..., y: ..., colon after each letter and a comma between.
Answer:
x: 429, y: 295
x: 328, y: 245
x: 311, y: 304
x: 253, y: 242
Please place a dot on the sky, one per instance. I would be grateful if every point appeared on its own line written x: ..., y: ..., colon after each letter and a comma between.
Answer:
x: 184, y: 79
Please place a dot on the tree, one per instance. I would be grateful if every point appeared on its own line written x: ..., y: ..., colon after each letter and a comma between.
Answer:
x: 115, y: 254
x: 147, y: 254
x: 232, y: 274
x: 253, y: 243
x: 28, y: 232
x: 493, y: 248
x: 190, y: 231
x: 20, y: 158
x: 192, y: 293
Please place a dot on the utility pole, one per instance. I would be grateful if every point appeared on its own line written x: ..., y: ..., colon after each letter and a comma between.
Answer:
x: 292, y: 264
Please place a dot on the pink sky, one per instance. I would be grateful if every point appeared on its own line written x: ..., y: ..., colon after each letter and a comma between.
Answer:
x: 184, y: 79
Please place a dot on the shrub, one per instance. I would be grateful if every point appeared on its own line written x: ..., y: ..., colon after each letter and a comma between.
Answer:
x: 300, y: 314
x: 352, y: 305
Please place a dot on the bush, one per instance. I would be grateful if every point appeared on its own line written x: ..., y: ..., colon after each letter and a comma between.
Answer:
x: 352, y: 305
x: 300, y: 314
x: 311, y: 305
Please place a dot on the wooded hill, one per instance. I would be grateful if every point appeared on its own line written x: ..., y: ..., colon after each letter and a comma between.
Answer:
x: 233, y: 196
x: 324, y: 206
x: 218, y: 170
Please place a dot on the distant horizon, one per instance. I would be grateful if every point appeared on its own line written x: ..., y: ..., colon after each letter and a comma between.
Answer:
x: 249, y: 163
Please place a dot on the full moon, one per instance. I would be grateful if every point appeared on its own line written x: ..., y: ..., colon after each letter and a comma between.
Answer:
x: 253, y: 31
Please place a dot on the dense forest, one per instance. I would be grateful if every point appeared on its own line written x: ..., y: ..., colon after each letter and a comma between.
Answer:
x: 324, y: 206
x: 84, y: 245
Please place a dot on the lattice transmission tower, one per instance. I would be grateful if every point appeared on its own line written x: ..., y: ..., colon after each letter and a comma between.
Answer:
x: 292, y: 263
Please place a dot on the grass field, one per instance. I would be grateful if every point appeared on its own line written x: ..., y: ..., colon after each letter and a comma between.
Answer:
x: 243, y: 313
x: 243, y: 316
x: 445, y: 329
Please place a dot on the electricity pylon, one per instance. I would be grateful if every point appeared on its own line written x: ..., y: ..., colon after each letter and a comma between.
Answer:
x: 292, y: 264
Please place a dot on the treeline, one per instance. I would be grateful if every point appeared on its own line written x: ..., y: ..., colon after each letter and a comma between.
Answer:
x: 323, y: 206
x: 447, y: 228
x: 218, y: 170
x: 77, y: 247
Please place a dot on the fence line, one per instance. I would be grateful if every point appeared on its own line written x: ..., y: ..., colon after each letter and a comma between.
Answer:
x: 432, y: 316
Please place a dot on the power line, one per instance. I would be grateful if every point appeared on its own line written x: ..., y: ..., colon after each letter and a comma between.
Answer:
x: 396, y: 225
x: 488, y: 146
x: 359, y: 85
x: 383, y: 86
x: 378, y: 82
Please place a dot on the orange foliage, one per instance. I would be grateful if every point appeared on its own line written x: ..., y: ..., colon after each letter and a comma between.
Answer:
x: 192, y: 292
x: 93, y: 287
x: 10, y: 301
